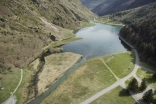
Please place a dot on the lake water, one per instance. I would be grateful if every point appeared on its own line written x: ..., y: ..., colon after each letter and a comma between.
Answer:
x: 98, y: 40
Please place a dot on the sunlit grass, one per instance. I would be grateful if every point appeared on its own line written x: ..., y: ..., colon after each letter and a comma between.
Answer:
x: 121, y: 64
x: 87, y: 80
x: 116, y: 96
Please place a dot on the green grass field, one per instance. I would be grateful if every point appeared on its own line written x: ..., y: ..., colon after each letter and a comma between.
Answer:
x: 9, y: 82
x: 116, y: 96
x: 121, y: 64
x: 90, y: 78
x: 148, y: 77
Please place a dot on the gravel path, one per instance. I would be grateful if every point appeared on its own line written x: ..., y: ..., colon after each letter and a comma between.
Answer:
x: 12, y: 99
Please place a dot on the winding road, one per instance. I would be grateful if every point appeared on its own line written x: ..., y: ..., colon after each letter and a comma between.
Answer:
x: 117, y: 83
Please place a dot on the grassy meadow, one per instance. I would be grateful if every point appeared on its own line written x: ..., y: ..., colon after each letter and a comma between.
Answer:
x: 116, y: 96
x: 90, y: 78
x: 121, y: 64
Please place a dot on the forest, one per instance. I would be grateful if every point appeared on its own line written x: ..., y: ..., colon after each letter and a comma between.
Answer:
x: 142, y: 35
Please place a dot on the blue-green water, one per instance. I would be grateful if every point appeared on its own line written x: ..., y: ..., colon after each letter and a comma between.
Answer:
x: 97, y: 41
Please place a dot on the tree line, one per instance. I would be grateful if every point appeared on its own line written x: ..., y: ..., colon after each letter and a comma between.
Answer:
x: 142, y: 35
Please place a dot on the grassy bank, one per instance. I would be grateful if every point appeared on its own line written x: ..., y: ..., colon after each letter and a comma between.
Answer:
x: 116, y: 96
x: 90, y: 78
x: 121, y: 64
x: 86, y: 24
x: 65, y: 41
x: 107, y: 21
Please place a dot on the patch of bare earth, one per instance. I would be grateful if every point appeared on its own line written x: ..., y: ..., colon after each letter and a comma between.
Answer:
x: 55, y: 66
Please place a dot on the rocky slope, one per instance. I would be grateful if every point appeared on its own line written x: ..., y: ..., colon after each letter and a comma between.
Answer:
x: 26, y: 26
x: 121, y: 5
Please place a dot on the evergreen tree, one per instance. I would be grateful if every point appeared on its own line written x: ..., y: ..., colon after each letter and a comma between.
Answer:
x: 143, y: 37
x: 154, y: 99
x: 133, y: 85
x: 147, y: 97
x: 143, y: 85
x: 154, y: 76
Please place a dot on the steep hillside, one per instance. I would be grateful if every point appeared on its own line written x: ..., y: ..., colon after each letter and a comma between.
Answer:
x: 143, y: 36
x: 98, y: 9
x: 26, y: 26
x: 121, y: 5
x: 91, y: 4
x: 133, y: 15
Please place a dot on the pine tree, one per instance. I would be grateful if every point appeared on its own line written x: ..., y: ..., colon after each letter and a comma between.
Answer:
x: 143, y: 85
x: 147, y: 97
x: 133, y: 85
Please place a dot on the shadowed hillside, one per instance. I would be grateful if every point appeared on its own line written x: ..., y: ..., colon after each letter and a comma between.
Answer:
x: 101, y: 7
x: 121, y: 5
x: 91, y: 4
x: 133, y: 15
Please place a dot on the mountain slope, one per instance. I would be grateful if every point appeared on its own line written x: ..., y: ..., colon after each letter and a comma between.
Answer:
x: 121, y: 5
x: 91, y: 4
x: 133, y: 15
x: 102, y: 6
x: 26, y: 26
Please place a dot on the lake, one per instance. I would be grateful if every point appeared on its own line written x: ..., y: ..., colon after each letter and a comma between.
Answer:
x: 98, y: 40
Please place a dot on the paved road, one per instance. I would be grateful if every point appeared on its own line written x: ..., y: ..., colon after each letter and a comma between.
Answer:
x: 117, y: 83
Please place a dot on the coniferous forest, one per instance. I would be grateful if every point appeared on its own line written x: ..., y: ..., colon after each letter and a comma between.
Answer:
x: 142, y: 35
